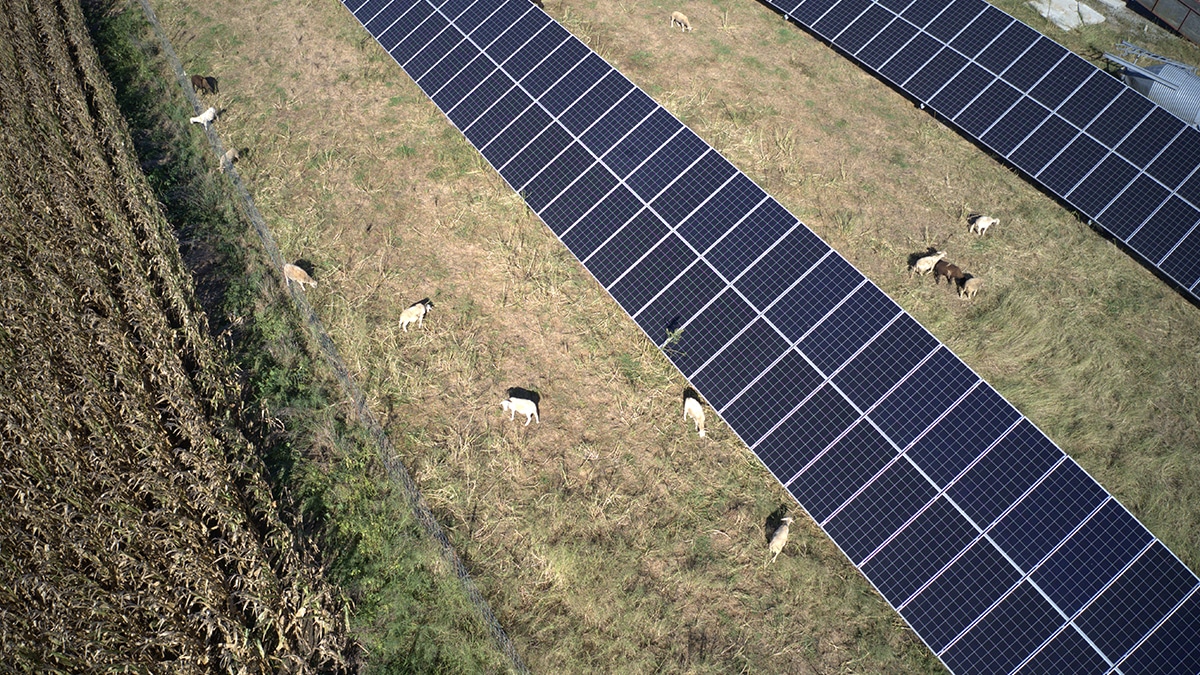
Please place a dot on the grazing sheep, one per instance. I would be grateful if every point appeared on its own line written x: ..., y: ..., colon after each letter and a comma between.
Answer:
x: 982, y: 223
x: 925, y: 265
x: 202, y: 84
x: 970, y: 288
x: 415, y: 313
x: 949, y: 270
x: 205, y: 117
x: 779, y: 539
x: 693, y: 409
x: 524, y: 406
x: 539, y: 4
x: 297, y: 274
x: 230, y: 156
x: 681, y: 19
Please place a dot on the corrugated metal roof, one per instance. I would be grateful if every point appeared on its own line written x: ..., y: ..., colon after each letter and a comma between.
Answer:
x: 1182, y: 15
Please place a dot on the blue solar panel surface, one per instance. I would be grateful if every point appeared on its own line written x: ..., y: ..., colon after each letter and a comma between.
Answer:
x: 1000, y: 552
x: 1125, y: 163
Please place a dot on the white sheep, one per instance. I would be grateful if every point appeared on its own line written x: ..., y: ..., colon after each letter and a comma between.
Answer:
x: 297, y: 274
x: 692, y: 409
x: 982, y: 223
x: 681, y: 19
x: 230, y: 156
x: 925, y: 265
x: 415, y: 313
x: 970, y: 288
x: 779, y: 539
x: 206, y: 117
x: 524, y: 406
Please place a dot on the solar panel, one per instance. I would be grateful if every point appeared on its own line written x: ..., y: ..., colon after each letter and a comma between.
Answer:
x: 1041, y: 108
x: 1000, y: 552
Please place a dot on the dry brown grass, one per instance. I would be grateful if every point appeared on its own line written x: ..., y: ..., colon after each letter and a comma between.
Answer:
x: 609, y: 537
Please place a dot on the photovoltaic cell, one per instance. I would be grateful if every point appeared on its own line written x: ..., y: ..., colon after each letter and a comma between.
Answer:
x: 1002, y: 639
x: 908, y: 562
x: 1005, y: 473
x: 1048, y: 514
x: 1154, y: 584
x: 750, y: 238
x: 848, y: 327
x: 1140, y: 199
x: 625, y: 247
x: 567, y: 56
x: 667, y: 164
x: 725, y: 209
x: 962, y: 513
x: 966, y: 85
x: 650, y: 276
x: 923, y: 397
x: 864, y: 28
x: 842, y: 470
x: 808, y: 431
x: 680, y: 302
x: 781, y: 267
x: 1169, y: 224
x: 1076, y: 160
x: 578, y: 199
x: 1174, y: 644
x: 1068, y: 652
x: 547, y: 184
x: 1107, y: 179
x: 711, y: 330
x: 740, y: 362
x: 975, y: 581
x: 768, y: 400
x: 867, y: 520
x: 889, y: 357
x: 695, y: 186
x: 1183, y: 264
x: 981, y: 32
x: 1091, y: 558
x: 1178, y: 160
x: 601, y: 222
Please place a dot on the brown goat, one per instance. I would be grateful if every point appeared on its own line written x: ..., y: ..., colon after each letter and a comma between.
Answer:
x: 206, y: 85
x: 949, y: 270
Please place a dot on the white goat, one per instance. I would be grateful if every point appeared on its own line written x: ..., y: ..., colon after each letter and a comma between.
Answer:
x: 692, y: 409
x: 297, y: 274
x: 982, y: 223
x: 970, y: 288
x: 415, y: 314
x: 925, y: 265
x: 524, y: 406
x: 681, y: 19
x: 779, y: 539
x: 206, y: 117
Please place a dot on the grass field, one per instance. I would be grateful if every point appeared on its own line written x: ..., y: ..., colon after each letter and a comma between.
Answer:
x: 609, y: 537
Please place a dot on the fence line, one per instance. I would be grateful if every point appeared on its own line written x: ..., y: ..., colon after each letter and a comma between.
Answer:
x: 395, y: 468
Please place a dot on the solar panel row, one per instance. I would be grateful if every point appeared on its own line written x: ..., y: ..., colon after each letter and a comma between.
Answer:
x: 1124, y: 162
x: 998, y: 549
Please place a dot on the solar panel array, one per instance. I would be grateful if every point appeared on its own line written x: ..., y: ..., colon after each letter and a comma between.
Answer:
x: 999, y: 550
x: 1124, y: 162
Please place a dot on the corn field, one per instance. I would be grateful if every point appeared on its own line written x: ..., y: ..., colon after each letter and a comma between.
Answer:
x: 139, y: 531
